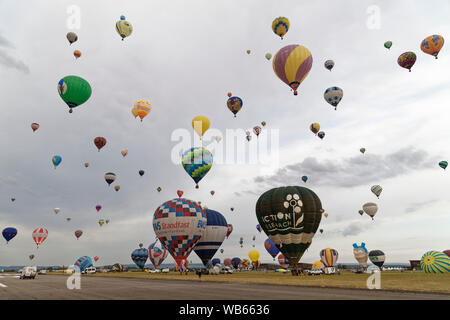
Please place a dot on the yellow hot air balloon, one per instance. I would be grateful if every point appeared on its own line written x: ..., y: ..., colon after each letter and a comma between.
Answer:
x: 326, y: 215
x: 317, y: 265
x: 432, y: 45
x: 315, y: 127
x: 77, y: 53
x: 280, y: 26
x: 253, y: 255
x: 134, y: 112
x: 200, y: 125
x: 142, y: 107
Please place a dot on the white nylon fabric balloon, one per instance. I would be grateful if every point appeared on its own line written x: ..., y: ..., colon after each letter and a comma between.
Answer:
x: 370, y: 208
x: 56, y: 210
x: 39, y: 235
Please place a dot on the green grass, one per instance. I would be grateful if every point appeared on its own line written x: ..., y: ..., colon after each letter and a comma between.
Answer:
x: 404, y: 281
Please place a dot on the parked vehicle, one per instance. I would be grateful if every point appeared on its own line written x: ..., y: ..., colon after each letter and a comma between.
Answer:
x: 28, y: 273
x: 42, y: 272
x: 315, y: 272
x: 90, y: 270
x: 166, y: 270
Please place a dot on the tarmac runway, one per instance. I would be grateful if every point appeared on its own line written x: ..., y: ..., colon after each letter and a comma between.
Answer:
x: 46, y: 287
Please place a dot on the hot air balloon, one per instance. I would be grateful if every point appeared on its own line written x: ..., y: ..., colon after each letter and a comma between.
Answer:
x: 141, y: 172
x: 234, y: 104
x: 388, y: 44
x: 377, y: 257
x: 101, y: 222
x: 370, y: 208
x: 39, y: 235
x: 200, y: 124
x: 34, y: 126
x: 213, y: 236
x: 248, y: 51
x: 56, y: 210
x: 248, y: 138
x: 179, y: 193
x: 83, y: 263
x: 197, y: 162
x: 215, y: 261
x: 218, y: 138
x: 227, y: 262
x: 283, y: 261
x: 31, y: 256
x: 253, y: 255
x: 95, y: 258
x: 268, y: 56
x: 235, y: 262
x: 333, y: 96
x: 74, y: 91
x: 447, y: 252
x: 435, y: 262
x: 245, y: 263
x: 141, y: 108
x: 257, y: 130
x: 13, y: 199
x: 258, y: 227
x: 406, y: 60
x: 157, y: 253
x: 107, y: 221
x: 179, y: 224
x: 221, y: 250
x: 361, y: 212
x: 110, y: 177
x: 329, y: 257
x: 443, y: 164
x: 68, y: 219
x: 99, y: 142
x: 376, y: 190
x: 158, y: 189
x: 9, y: 233
x: 321, y: 134
x: 317, y: 265
x: 212, y: 192
x: 124, y: 152
x: 280, y: 26
x: 123, y: 28
x: 321, y: 230
x: 117, y: 267
x: 77, y: 54
x: 256, y: 264
x: 314, y: 127
x: 72, y: 37
x: 361, y: 254
x: 263, y: 123
x: 290, y: 216
x: 304, y: 178
x: 229, y: 94
x: 98, y: 207
x: 271, y: 248
x: 56, y: 160
x: 362, y: 150
x: 292, y: 64
x: 78, y: 234
x: 117, y: 188
x: 232, y: 209
x: 432, y: 45
x: 241, y: 241
x: 326, y: 215
x: 329, y: 64
x: 139, y: 257
x: 229, y: 230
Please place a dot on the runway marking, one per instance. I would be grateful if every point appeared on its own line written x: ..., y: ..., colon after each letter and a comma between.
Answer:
x: 2, y: 285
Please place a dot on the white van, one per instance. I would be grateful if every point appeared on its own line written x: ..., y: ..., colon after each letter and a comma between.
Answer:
x: 165, y: 270
x: 28, y: 273
x: 90, y: 270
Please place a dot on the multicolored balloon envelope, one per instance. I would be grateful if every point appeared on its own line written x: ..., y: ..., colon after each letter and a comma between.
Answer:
x: 179, y: 224
x: 271, y: 248
x: 117, y: 267
x: 376, y: 190
x: 443, y: 164
x: 292, y: 64
x: 227, y: 262
x: 139, y: 257
x: 157, y: 253
x: 280, y: 26
x: 197, y: 162
x: 388, y: 44
x: 123, y: 27
x: 212, y: 239
x: 290, y: 216
x: 234, y: 104
x: 329, y: 64
x: 229, y: 230
x: 245, y: 263
x: 377, y: 257
x: 56, y: 160
x: 432, y: 45
x: 329, y: 257
x: 39, y: 235
x: 9, y: 233
x: 407, y: 60
x: 215, y: 261
x: 361, y: 254
x: 333, y: 96
x: 83, y: 263
x: 435, y: 262
x: 74, y: 90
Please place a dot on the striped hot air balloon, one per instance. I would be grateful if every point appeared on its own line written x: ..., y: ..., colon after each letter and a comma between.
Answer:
x: 377, y: 257
x: 292, y: 64
x: 245, y: 263
x: 376, y: 190
x: 212, y: 239
x: 435, y: 262
x: 329, y: 257
x: 280, y: 26
x: 83, y: 263
x: 157, y: 253
x: 117, y: 267
x: 110, y: 177
x: 443, y: 164
x: 39, y: 235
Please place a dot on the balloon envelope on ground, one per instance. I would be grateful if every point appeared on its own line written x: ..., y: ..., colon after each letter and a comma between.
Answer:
x: 83, y: 263
x: 435, y: 262
x: 329, y: 257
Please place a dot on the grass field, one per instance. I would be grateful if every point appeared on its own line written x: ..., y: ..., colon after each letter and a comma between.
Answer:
x: 404, y: 281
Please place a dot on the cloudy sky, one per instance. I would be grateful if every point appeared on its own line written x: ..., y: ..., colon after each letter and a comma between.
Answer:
x: 183, y: 57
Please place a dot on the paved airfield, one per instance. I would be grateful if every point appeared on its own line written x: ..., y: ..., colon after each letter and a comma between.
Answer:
x: 93, y: 288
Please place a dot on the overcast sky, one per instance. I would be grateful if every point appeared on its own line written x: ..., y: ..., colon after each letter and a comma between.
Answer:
x: 183, y: 57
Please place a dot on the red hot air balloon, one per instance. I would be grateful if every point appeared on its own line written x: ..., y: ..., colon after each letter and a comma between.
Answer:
x: 99, y: 142
x: 34, y: 126
x: 229, y: 230
x: 179, y: 193
x: 39, y: 235
x: 78, y: 234
x: 447, y: 252
x: 95, y: 258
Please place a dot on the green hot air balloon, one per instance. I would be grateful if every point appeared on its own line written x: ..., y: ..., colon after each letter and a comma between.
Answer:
x: 362, y: 150
x: 268, y: 56
x: 290, y: 216
x: 74, y: 91
x: 361, y: 212
x: 388, y: 44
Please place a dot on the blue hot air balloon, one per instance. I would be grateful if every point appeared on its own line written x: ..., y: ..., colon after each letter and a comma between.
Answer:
x: 83, y: 263
x: 235, y: 262
x: 258, y: 227
x: 140, y: 256
x: 211, y: 240
x: 271, y: 248
x: 305, y: 178
x: 215, y: 261
x: 56, y: 160
x: 9, y: 233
